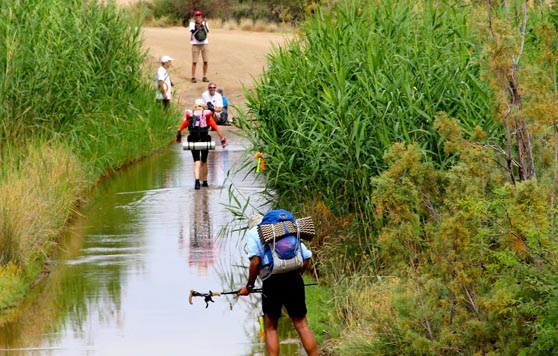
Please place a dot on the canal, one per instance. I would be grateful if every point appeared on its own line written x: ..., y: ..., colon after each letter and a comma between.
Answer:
x: 143, y: 240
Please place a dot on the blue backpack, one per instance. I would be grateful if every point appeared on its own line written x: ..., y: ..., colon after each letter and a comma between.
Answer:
x: 281, y: 253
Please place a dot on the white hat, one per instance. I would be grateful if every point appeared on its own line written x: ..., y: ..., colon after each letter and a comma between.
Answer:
x: 165, y: 59
x: 199, y: 102
x: 254, y: 220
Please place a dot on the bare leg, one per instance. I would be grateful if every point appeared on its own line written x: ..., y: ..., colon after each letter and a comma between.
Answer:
x: 306, y: 336
x: 204, y: 171
x: 271, y: 337
x: 197, y: 166
x: 205, y: 69
x: 194, y: 69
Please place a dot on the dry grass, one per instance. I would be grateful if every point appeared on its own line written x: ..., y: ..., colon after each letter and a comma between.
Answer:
x: 36, y: 201
x: 10, y: 279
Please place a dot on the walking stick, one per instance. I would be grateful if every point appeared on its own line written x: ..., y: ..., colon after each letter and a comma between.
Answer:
x: 208, y: 297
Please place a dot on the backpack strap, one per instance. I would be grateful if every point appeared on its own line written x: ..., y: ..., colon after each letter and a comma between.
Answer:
x: 298, y: 242
x: 273, y: 231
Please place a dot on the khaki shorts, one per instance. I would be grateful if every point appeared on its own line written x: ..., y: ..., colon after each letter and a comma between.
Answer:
x: 197, y: 49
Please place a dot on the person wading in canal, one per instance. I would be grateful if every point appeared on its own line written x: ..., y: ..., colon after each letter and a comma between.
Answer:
x: 282, y: 281
x: 198, y: 122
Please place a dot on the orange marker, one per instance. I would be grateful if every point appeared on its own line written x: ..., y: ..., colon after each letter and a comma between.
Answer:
x: 261, y: 162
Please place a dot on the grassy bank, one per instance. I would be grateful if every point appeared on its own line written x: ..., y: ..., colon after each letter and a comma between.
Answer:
x: 77, y: 104
x: 424, y: 148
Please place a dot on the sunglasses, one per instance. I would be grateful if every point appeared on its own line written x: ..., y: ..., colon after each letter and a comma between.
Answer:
x: 212, y: 87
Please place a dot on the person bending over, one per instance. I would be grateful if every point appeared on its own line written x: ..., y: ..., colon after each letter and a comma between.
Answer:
x: 278, y: 290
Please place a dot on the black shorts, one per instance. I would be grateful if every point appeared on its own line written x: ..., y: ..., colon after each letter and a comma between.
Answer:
x: 284, y: 289
x: 194, y: 137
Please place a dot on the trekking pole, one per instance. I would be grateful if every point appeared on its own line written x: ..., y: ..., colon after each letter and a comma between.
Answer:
x: 208, y: 297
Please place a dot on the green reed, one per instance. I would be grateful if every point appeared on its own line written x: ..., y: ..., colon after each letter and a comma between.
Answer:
x: 77, y: 104
x: 360, y: 78
x: 74, y: 73
x: 458, y: 259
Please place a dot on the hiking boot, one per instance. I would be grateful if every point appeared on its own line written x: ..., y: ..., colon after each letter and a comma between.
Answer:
x: 205, y: 184
x: 205, y: 79
x: 194, y: 80
x: 197, y: 186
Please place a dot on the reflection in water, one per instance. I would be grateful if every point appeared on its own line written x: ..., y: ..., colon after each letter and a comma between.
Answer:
x: 201, y: 249
x: 121, y: 283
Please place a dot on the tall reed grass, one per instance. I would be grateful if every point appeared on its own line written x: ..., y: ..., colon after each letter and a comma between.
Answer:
x: 36, y: 200
x: 77, y: 104
x: 74, y: 73
x: 359, y: 79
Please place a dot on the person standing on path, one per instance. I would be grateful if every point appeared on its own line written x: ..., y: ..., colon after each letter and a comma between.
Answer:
x: 198, y: 38
x: 198, y: 122
x: 164, y: 83
x: 278, y: 290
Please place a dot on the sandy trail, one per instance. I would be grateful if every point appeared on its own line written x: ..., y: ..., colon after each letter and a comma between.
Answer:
x: 235, y: 59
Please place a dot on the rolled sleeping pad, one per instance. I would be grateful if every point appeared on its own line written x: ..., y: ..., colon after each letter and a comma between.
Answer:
x: 202, y: 146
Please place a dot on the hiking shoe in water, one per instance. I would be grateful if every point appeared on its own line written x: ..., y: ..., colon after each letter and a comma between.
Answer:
x: 197, y: 186
x: 205, y: 184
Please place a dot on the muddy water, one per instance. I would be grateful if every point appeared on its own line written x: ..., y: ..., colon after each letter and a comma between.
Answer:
x: 146, y: 238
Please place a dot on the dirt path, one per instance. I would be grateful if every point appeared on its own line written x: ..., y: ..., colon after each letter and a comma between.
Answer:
x: 236, y: 57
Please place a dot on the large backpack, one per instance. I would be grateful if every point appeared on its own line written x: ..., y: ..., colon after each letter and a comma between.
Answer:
x: 198, y: 123
x: 282, y: 253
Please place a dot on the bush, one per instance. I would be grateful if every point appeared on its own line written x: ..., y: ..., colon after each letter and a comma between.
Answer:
x: 378, y: 113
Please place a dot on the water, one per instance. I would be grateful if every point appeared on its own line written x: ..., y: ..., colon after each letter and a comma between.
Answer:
x: 146, y: 238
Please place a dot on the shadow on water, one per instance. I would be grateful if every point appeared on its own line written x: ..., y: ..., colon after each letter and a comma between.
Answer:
x: 146, y: 238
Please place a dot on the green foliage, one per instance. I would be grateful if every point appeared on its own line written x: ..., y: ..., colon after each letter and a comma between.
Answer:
x: 472, y: 263
x: 74, y: 73
x: 379, y: 113
x: 76, y: 104
x: 180, y: 11
x: 320, y: 318
x: 353, y: 85
x: 10, y: 280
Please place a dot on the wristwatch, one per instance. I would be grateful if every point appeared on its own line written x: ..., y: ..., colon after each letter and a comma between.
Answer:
x: 250, y: 287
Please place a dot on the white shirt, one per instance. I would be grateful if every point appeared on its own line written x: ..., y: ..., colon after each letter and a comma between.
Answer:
x: 216, y: 99
x: 163, y: 74
x: 193, y: 28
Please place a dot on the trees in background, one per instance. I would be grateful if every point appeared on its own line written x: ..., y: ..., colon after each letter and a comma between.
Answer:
x: 289, y: 11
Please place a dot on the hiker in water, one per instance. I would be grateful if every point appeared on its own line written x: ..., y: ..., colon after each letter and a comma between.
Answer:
x: 284, y: 287
x: 198, y: 122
